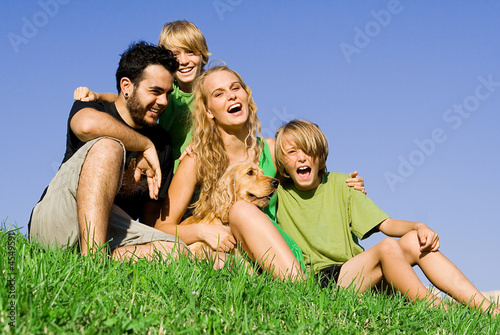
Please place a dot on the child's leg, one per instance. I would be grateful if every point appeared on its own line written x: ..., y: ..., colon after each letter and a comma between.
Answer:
x: 386, y: 261
x: 442, y: 272
x: 262, y: 241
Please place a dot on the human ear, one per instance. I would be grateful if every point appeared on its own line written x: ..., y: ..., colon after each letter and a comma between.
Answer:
x: 209, y: 114
x: 126, y: 85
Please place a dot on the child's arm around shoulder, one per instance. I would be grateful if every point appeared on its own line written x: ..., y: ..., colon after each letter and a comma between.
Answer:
x: 428, y: 238
x: 83, y: 93
x: 356, y: 182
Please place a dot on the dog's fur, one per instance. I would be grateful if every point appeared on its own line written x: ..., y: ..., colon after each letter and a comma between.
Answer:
x: 241, y: 181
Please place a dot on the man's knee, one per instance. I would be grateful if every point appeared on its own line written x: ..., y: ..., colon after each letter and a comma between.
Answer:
x: 104, y: 158
x: 108, y: 149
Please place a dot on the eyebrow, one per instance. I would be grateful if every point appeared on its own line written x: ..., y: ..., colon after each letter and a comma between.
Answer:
x: 158, y: 88
x: 222, y: 89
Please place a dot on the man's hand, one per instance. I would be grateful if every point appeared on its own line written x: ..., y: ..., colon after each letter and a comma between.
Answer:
x: 428, y: 238
x: 83, y: 93
x: 356, y: 182
x: 149, y: 165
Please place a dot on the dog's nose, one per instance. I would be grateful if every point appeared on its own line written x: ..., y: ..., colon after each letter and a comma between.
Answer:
x: 275, y: 183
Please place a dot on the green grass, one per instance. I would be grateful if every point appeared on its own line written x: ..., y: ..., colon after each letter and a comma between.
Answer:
x: 63, y: 292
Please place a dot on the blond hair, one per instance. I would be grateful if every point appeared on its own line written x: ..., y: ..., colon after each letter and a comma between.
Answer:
x: 211, y: 155
x: 307, y: 137
x: 185, y: 35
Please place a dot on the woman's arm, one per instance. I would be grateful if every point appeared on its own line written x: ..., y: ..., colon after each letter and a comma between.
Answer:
x: 428, y: 239
x: 85, y: 94
x: 180, y: 193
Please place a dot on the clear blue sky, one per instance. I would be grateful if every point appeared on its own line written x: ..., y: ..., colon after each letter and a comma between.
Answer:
x: 408, y: 93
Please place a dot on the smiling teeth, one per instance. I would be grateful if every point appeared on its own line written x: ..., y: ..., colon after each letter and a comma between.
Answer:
x: 185, y: 70
x: 234, y: 106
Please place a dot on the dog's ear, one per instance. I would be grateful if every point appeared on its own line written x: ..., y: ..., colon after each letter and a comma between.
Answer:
x: 224, y: 195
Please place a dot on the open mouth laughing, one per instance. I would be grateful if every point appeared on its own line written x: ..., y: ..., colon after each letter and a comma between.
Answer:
x: 234, y: 108
x: 304, y: 172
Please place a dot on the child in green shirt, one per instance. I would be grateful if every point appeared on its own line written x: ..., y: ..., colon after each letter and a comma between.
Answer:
x: 326, y: 218
x: 189, y: 46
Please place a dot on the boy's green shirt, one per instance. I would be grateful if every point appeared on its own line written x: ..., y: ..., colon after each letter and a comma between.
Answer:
x: 326, y: 222
x: 176, y: 119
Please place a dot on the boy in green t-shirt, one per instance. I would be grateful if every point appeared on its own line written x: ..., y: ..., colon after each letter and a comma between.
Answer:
x: 326, y: 217
x: 190, y: 48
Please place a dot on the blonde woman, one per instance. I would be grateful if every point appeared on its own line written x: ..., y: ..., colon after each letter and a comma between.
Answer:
x: 226, y: 131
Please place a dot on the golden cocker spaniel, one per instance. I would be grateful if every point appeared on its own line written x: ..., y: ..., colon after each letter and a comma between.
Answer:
x: 241, y: 181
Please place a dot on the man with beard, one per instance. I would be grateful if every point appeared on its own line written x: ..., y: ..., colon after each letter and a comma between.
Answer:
x: 117, y: 167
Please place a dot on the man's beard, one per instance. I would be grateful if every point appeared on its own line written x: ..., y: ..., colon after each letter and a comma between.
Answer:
x: 137, y: 111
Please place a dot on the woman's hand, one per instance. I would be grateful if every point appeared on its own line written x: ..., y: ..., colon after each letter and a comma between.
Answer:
x: 219, y: 238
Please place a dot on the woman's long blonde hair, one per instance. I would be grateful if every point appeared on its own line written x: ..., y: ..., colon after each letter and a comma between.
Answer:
x: 211, y: 155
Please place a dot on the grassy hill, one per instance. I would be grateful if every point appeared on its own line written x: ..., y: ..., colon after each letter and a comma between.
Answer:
x: 62, y: 292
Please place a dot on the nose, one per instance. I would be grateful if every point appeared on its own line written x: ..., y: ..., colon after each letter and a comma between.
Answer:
x: 182, y: 58
x: 162, y: 99
x: 275, y: 182
x: 301, y: 156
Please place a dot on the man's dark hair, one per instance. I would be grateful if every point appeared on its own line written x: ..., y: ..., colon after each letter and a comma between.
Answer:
x: 139, y: 56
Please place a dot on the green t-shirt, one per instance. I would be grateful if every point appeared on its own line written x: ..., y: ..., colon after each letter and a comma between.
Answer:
x: 267, y: 166
x: 176, y: 119
x: 326, y: 222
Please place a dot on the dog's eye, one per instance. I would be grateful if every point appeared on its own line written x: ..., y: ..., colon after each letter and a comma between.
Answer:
x: 250, y: 172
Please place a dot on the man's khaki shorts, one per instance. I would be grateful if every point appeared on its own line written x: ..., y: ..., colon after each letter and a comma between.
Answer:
x: 54, y: 220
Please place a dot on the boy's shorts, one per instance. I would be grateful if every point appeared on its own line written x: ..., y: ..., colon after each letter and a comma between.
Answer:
x: 329, y: 275
x: 54, y: 220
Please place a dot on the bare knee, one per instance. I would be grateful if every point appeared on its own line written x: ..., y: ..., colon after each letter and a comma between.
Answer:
x: 410, y: 246
x: 108, y: 150
x: 389, y: 247
x: 101, y: 168
x: 240, y: 213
